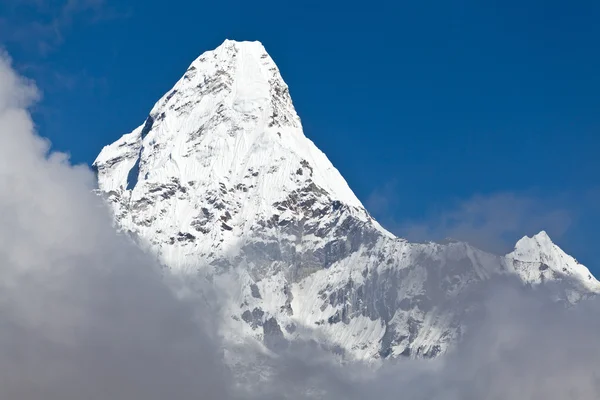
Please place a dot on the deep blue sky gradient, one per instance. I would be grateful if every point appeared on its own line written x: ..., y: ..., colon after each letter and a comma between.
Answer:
x: 421, y: 105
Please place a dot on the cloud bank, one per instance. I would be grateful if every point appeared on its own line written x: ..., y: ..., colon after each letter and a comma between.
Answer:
x: 83, y: 313
x: 86, y: 315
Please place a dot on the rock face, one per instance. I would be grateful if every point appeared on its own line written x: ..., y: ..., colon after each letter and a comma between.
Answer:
x: 221, y: 180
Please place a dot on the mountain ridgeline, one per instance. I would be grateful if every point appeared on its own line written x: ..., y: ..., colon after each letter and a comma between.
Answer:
x: 220, y: 180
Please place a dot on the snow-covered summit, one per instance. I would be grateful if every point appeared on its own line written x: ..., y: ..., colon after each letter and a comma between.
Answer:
x: 220, y: 178
x: 219, y: 153
x: 537, y: 259
x: 230, y: 112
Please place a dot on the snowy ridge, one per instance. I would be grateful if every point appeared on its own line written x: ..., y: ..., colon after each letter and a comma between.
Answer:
x: 237, y: 80
x: 221, y: 179
x: 228, y: 129
x: 537, y: 260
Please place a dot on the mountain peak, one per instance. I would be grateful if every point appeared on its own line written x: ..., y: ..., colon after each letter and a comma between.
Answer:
x: 225, y: 149
x: 220, y: 178
x: 232, y: 42
x: 225, y: 55
x: 537, y: 259
x: 540, y: 240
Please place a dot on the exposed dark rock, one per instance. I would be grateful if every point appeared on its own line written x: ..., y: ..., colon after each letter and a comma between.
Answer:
x: 132, y: 177
x: 273, y: 336
x: 255, y: 292
x: 147, y: 126
x: 185, y: 237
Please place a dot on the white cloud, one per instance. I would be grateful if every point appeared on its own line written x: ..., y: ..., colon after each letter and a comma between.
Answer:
x: 493, y: 222
x: 85, y: 315
x: 519, y: 346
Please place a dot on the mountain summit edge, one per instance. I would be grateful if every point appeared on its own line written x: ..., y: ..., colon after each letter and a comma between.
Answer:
x: 220, y: 180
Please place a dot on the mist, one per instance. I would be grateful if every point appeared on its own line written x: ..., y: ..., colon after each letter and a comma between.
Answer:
x: 85, y: 314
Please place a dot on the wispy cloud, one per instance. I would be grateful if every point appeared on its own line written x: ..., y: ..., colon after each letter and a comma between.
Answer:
x: 42, y: 25
x: 520, y: 346
x: 81, y: 80
x: 492, y: 222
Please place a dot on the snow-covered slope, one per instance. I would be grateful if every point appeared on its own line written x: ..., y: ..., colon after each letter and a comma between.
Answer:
x: 221, y: 179
x: 538, y: 260
x: 220, y: 153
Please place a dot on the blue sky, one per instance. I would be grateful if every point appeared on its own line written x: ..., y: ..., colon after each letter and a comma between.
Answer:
x: 477, y: 120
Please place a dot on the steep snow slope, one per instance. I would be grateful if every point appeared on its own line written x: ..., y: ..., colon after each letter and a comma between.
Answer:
x: 220, y: 153
x: 221, y: 179
x: 538, y: 260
